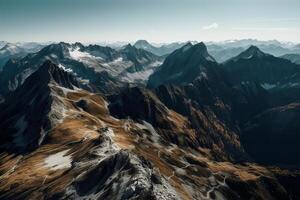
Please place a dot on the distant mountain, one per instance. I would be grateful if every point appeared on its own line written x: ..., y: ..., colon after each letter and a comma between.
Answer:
x: 88, y: 62
x: 295, y: 58
x: 10, y: 51
x: 139, y: 57
x: 222, y: 54
x: 247, y: 42
x: 158, y: 50
x: 2, y: 44
x: 223, y: 51
x: 183, y: 65
x: 277, y: 50
x: 17, y: 50
x: 144, y: 44
x: 253, y: 65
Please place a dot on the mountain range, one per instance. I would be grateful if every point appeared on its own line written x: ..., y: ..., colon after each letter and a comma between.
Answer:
x: 222, y: 51
x: 295, y: 58
x: 92, y: 63
x: 138, y: 122
x: 16, y: 50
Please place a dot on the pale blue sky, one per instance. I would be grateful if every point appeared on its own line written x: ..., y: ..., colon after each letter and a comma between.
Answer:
x: 155, y: 20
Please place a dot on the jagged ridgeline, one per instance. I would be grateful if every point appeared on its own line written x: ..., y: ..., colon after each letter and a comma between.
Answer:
x: 147, y: 122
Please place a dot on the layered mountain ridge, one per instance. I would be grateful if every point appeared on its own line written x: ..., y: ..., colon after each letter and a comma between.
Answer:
x: 196, y: 132
x: 92, y: 63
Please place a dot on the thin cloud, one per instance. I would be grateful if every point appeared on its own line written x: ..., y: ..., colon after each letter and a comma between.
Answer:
x: 211, y: 26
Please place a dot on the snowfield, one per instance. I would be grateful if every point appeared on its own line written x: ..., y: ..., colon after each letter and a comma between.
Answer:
x: 58, y: 161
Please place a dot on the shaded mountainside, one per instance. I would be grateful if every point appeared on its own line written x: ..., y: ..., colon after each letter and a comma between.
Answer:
x: 183, y: 66
x: 90, y: 154
x: 234, y: 94
x: 254, y: 65
x: 34, y: 108
x: 278, y: 133
x: 222, y: 54
x: 201, y: 127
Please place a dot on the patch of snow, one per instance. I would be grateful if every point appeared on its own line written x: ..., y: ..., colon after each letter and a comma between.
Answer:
x: 58, y: 161
x: 268, y: 86
x: 64, y: 68
x: 106, y: 104
x: 43, y: 134
x: 141, y: 75
x: 291, y: 85
x: 203, y: 74
x: 117, y: 61
x: 78, y: 55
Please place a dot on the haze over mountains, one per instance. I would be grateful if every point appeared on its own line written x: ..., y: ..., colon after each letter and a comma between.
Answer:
x: 222, y: 51
x: 216, y: 120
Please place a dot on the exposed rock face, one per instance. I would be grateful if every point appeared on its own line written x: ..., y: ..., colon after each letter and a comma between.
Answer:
x: 103, y: 67
x: 201, y: 127
x: 139, y: 57
x: 34, y: 108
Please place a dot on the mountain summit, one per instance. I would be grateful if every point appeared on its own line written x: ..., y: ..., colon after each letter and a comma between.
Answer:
x: 143, y: 44
x: 251, y: 52
x: 35, y: 107
x: 183, y: 65
x: 256, y: 66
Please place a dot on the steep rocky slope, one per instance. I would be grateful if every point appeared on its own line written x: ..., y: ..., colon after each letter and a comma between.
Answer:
x: 35, y: 107
x: 271, y: 72
x: 231, y: 97
x: 183, y: 66
x: 104, y: 67
x: 89, y: 154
